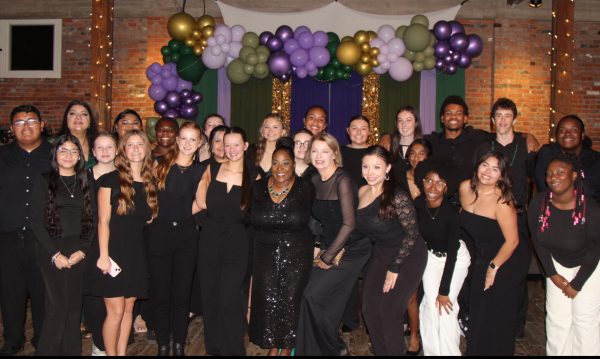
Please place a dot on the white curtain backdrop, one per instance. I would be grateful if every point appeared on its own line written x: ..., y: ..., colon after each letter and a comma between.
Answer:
x: 333, y: 17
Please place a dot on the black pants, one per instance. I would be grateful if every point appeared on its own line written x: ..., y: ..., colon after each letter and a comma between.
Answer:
x: 384, y: 312
x: 323, y: 305
x: 20, y: 278
x: 172, y: 255
x: 63, y: 300
x: 94, y: 314
x: 350, y: 318
x: 526, y: 244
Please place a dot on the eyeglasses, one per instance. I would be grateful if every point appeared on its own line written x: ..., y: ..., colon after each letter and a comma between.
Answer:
x: 30, y: 122
x: 439, y: 185
x: 301, y: 143
x: 67, y: 152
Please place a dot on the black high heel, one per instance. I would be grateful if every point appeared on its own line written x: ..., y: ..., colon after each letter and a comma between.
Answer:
x: 414, y: 353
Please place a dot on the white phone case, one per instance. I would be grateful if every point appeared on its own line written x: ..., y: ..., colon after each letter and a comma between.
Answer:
x: 115, y: 270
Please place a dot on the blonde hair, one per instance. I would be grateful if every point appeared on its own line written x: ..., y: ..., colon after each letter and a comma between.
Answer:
x: 162, y: 169
x: 262, y: 142
x: 125, y: 199
x: 332, y: 143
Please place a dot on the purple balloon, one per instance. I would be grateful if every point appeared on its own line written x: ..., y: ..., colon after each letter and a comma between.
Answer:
x: 157, y: 92
x: 456, y: 56
x: 441, y: 48
x: 279, y: 63
x: 156, y: 80
x: 166, y: 72
x: 189, y: 112
x: 172, y: 99
x: 301, y: 72
x: 306, y: 40
x: 183, y: 85
x: 448, y: 59
x: 149, y: 73
x: 155, y: 67
x: 464, y: 61
x: 284, y: 77
x: 442, y: 30
x: 274, y: 44
x: 172, y: 113
x: 161, y: 107
x: 264, y: 37
x: 185, y: 94
x: 313, y: 73
x: 459, y: 42
x: 451, y: 69
x: 457, y: 28
x: 169, y: 83
x: 440, y: 64
x: 197, y: 97
x: 320, y: 56
x: 475, y: 45
x: 291, y: 45
x: 321, y: 38
x: 299, y: 57
x: 188, y: 101
x: 284, y: 32
x: 301, y: 29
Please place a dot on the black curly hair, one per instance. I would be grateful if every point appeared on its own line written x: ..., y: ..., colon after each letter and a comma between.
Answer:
x: 442, y: 166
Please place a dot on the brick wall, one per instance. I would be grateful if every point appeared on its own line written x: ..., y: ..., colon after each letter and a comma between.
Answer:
x: 515, y: 64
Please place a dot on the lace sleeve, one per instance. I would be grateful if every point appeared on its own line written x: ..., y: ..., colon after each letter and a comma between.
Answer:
x: 346, y: 196
x: 407, y: 215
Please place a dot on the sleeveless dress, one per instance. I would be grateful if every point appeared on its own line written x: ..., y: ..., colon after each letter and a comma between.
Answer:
x: 492, y: 313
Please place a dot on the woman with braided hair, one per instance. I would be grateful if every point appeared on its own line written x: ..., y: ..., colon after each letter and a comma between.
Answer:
x: 565, y: 228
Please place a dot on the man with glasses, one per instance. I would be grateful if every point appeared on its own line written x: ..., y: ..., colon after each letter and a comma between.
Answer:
x: 20, y: 277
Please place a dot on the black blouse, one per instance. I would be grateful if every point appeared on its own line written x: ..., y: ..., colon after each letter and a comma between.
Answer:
x: 569, y: 245
x: 352, y: 159
x: 440, y: 229
x: 176, y: 200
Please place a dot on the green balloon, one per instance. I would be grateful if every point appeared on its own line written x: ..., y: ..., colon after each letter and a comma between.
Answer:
x: 235, y: 72
x: 186, y: 50
x: 175, y: 57
x: 432, y: 40
x: 329, y: 73
x: 245, y: 52
x: 410, y: 55
x: 252, y: 59
x: 419, y: 57
x: 335, y: 63
x: 339, y: 74
x: 167, y: 59
x: 248, y: 69
x: 150, y: 128
x: 261, y: 71
x: 416, y: 37
x: 176, y: 45
x: 332, y: 48
x: 165, y: 50
x: 420, y: 19
x: 333, y: 37
x: 400, y: 31
x: 191, y: 68
x: 263, y: 50
x: 429, y: 62
x: 250, y: 39
x: 418, y: 66
x: 347, y: 68
x: 347, y: 76
x: 429, y: 51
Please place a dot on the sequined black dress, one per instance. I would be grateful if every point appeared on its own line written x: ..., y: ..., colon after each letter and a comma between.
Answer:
x: 283, y: 250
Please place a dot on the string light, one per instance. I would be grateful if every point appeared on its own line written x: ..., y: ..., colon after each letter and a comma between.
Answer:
x: 101, y: 36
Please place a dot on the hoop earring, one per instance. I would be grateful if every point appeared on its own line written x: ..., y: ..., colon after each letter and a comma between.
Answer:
x: 387, y: 176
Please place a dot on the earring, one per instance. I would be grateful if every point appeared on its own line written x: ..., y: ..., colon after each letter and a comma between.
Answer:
x: 387, y: 176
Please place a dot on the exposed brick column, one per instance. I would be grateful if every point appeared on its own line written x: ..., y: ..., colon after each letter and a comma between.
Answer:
x: 102, y: 56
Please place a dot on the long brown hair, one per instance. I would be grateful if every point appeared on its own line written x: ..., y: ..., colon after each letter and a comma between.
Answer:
x: 504, y: 182
x: 246, y: 180
x: 162, y: 169
x: 125, y: 199
x: 261, y: 144
x: 387, y: 209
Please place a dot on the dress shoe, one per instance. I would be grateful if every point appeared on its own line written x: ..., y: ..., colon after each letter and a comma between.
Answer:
x: 163, y: 351
x: 10, y: 350
x: 413, y: 353
x: 178, y: 350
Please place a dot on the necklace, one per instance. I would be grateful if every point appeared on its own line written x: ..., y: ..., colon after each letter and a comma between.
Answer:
x: 277, y: 194
x: 72, y: 193
x: 432, y: 216
x: 182, y: 168
x: 514, y: 154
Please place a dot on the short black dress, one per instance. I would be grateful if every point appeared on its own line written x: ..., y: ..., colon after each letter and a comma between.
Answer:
x: 126, y: 245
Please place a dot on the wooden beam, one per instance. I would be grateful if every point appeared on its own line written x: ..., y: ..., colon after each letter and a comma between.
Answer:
x: 563, y: 19
x: 102, y: 59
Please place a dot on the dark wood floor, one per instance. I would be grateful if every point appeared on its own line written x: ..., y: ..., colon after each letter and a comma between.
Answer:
x: 358, y: 342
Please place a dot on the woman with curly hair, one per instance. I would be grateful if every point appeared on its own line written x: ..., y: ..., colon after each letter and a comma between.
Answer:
x: 79, y: 121
x: 127, y: 200
x: 63, y: 222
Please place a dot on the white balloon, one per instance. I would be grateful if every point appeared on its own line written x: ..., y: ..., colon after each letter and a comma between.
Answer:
x: 376, y: 42
x: 212, y: 41
x: 221, y: 39
x: 379, y: 70
x: 401, y: 70
x: 237, y: 32
x: 225, y: 47
x: 384, y: 49
x: 381, y: 57
x: 234, y: 49
x: 386, y: 65
x: 223, y: 30
x: 216, y: 50
x: 386, y: 32
x: 392, y: 57
x: 396, y: 46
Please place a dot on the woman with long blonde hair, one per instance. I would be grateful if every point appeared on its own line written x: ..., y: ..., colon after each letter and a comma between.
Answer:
x: 127, y: 201
x: 272, y: 129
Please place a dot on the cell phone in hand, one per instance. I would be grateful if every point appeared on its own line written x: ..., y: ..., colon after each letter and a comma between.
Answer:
x: 115, y: 270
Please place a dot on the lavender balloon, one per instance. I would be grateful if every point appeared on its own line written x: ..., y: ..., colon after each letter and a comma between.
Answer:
x: 442, y: 30
x: 301, y: 29
x: 172, y: 99
x: 301, y: 72
x: 441, y: 48
x: 291, y: 45
x: 464, y: 61
x: 183, y: 85
x: 299, y: 57
x: 475, y: 45
x: 321, y: 38
x: 161, y: 107
x: 274, y: 44
x: 156, y: 80
x: 279, y: 64
x: 169, y: 83
x: 457, y: 28
x: 157, y: 92
x: 264, y: 37
x: 459, y: 42
x: 306, y: 40
x: 284, y: 32
x: 319, y: 56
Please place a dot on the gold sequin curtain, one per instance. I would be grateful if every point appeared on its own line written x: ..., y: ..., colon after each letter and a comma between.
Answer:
x: 282, y: 100
x: 370, y: 105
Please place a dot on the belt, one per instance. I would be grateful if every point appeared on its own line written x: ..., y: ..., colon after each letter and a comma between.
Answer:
x: 438, y: 253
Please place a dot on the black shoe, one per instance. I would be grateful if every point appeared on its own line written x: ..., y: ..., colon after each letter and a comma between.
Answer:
x: 178, y: 350
x: 346, y: 329
x: 163, y: 351
x: 10, y: 350
x: 414, y: 353
x: 151, y: 336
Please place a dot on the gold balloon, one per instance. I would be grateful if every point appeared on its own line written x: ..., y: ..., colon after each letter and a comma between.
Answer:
x: 347, y: 38
x: 204, y: 43
x: 361, y: 37
x: 365, y: 59
x: 206, y: 20
x: 181, y: 25
x: 348, y: 53
x: 198, y: 50
x: 208, y: 31
x: 375, y: 63
x: 363, y: 69
x: 374, y: 52
x: 372, y: 34
x: 196, y: 34
x: 365, y: 47
x: 190, y: 42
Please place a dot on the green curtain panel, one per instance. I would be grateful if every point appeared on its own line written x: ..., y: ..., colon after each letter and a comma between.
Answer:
x: 208, y: 88
x: 393, y: 95
x: 250, y: 102
x: 447, y: 85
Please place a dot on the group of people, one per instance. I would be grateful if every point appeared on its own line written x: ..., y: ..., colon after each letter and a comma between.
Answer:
x: 271, y: 239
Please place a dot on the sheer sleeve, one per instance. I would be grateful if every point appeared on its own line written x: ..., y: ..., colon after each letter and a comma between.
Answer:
x: 407, y: 215
x: 346, y: 196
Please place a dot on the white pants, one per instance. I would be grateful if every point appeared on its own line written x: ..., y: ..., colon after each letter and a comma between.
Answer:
x: 573, y: 325
x: 440, y: 334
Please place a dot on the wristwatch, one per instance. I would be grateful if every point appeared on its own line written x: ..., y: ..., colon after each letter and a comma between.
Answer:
x: 493, y: 266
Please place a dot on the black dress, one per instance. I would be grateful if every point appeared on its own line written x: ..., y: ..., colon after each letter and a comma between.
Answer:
x: 492, y: 313
x: 126, y: 245
x: 283, y: 250
x: 224, y: 252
